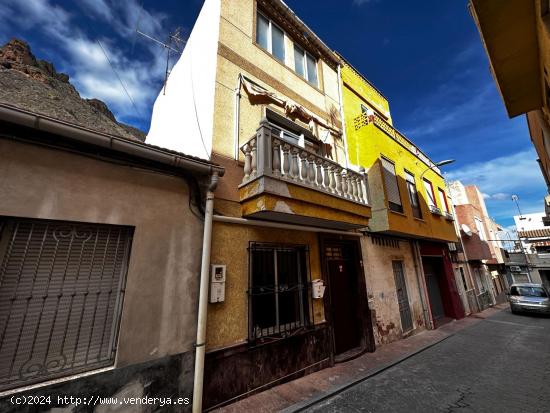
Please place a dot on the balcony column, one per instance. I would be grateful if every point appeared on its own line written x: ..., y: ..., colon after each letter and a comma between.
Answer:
x: 264, y: 150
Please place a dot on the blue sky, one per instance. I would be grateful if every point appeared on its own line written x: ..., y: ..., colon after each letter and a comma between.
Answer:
x: 426, y: 57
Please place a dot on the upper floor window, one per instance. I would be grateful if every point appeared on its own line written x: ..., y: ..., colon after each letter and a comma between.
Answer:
x: 430, y: 195
x: 443, y: 200
x: 270, y: 37
x: 413, y: 195
x: 392, y: 187
x: 305, y: 65
x: 479, y: 227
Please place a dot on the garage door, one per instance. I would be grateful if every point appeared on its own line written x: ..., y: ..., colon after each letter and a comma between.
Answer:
x: 61, y: 289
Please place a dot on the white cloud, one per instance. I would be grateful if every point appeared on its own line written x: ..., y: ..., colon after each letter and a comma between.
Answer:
x: 89, y: 67
x: 502, y: 175
x: 499, y: 196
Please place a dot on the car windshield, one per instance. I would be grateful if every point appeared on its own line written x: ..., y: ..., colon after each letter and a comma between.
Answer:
x: 532, y: 291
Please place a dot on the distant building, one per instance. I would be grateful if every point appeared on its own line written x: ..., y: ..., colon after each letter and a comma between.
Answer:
x: 534, y: 237
x: 483, y: 255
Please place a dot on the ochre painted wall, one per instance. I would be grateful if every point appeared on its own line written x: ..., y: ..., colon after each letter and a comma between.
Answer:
x: 366, y: 146
x: 228, y: 321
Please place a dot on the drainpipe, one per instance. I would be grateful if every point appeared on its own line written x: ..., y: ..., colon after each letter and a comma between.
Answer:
x: 203, y: 296
x: 420, y: 272
x: 340, y: 97
x: 236, y: 117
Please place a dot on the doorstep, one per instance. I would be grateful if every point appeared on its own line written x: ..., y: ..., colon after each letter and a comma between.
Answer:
x: 298, y: 394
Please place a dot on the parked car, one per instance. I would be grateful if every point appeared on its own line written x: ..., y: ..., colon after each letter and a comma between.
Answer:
x: 529, y: 297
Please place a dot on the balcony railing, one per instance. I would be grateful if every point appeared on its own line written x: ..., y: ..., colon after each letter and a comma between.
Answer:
x: 266, y: 154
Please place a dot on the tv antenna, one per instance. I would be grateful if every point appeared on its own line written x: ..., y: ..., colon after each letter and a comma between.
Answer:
x: 174, y: 43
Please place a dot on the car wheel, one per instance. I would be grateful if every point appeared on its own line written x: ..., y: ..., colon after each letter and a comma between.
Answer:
x: 514, y: 311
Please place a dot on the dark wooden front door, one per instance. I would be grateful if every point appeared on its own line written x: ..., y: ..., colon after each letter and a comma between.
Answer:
x: 344, y: 303
x: 434, y: 292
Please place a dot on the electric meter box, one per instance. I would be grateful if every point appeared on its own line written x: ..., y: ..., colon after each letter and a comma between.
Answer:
x: 317, y: 288
x: 217, y: 283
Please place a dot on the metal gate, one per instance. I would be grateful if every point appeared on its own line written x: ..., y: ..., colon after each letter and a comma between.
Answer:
x: 61, y: 287
x: 402, y: 296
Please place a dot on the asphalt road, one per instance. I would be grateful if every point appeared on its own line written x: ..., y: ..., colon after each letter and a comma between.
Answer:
x: 501, y: 364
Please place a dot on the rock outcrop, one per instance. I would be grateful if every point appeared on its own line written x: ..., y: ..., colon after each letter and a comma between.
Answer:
x: 34, y: 85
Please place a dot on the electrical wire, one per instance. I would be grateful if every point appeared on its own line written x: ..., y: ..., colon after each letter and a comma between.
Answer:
x: 120, y: 80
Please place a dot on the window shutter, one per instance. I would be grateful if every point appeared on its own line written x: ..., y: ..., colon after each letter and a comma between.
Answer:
x: 429, y: 193
x: 61, y: 287
x: 390, y: 180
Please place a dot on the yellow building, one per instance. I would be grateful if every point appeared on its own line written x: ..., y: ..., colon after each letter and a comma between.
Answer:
x: 258, y: 92
x: 517, y: 41
x: 412, y: 220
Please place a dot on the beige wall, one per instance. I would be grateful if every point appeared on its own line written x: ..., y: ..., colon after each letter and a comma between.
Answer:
x: 381, y: 289
x: 159, y: 309
x: 239, y: 54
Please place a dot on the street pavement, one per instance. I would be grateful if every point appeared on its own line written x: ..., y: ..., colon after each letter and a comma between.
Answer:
x: 501, y: 364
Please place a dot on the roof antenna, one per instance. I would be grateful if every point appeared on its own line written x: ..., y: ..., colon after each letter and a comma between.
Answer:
x: 175, y: 42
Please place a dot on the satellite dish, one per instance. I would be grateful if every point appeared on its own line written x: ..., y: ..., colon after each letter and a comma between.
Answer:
x: 466, y: 229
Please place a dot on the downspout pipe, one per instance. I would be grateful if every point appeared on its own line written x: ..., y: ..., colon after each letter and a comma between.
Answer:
x: 200, y: 345
x: 417, y: 258
x: 237, y: 117
x: 341, y: 98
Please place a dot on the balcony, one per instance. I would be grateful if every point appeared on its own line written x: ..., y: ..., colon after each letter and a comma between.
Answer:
x: 288, y: 183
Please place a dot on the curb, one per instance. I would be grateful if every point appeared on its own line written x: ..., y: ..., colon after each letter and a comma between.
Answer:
x: 301, y: 406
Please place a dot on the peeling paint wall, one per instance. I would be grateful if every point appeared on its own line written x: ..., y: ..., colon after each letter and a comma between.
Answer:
x: 381, y: 287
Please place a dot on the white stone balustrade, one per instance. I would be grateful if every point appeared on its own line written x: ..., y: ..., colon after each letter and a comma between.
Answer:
x: 268, y: 155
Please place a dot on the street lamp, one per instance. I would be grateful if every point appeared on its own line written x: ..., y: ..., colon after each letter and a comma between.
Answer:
x: 515, y: 198
x: 437, y: 164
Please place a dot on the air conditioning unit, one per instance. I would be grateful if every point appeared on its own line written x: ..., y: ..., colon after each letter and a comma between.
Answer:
x: 515, y: 268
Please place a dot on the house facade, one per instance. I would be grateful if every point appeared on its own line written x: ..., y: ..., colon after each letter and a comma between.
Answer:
x: 411, y: 223
x: 288, y: 209
x: 517, y: 43
x: 534, y: 237
x: 98, y: 241
x: 483, y: 253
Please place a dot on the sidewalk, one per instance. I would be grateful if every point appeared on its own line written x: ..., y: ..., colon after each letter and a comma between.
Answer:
x: 300, y: 393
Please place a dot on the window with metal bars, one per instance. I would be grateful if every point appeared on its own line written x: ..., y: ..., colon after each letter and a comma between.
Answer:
x: 278, y: 293
x: 392, y: 186
x: 61, y: 290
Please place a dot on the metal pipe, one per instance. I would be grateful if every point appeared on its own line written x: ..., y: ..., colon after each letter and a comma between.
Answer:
x: 269, y: 224
x: 84, y: 135
x: 341, y: 98
x: 426, y: 312
x: 200, y: 345
x: 237, y: 116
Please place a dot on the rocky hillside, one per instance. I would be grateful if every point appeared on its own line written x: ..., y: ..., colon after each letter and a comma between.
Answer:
x: 35, y: 85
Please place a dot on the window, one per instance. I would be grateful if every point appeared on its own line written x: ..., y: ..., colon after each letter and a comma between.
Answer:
x: 305, y: 65
x: 61, y: 289
x: 413, y: 195
x: 392, y: 187
x: 292, y: 132
x: 430, y: 196
x: 479, y: 227
x: 443, y: 200
x: 270, y: 37
x: 278, y: 290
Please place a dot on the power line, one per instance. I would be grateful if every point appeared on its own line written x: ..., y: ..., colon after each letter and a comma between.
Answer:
x: 120, y: 80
